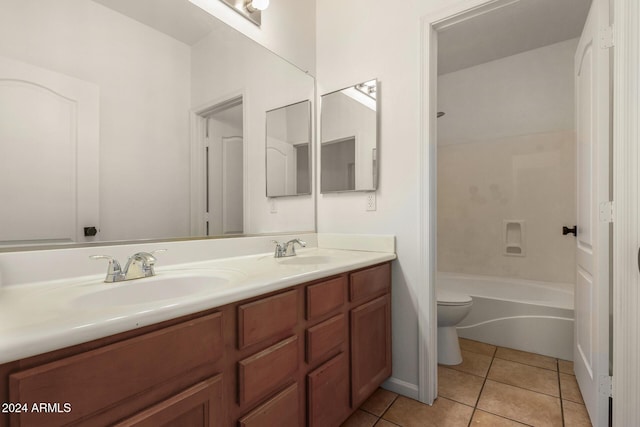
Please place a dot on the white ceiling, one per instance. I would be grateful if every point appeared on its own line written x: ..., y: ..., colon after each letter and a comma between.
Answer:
x: 179, y: 19
x: 521, y: 26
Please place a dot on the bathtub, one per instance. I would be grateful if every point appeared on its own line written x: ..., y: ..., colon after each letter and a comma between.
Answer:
x: 521, y: 314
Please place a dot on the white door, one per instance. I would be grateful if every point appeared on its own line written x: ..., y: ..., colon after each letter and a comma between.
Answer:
x: 591, y: 352
x: 232, y: 185
x: 281, y: 158
x: 49, y: 139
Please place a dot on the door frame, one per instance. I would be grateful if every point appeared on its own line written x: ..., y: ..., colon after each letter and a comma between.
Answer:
x: 626, y: 230
x: 197, y: 188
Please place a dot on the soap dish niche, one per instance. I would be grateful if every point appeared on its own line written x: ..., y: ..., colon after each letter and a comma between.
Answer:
x: 513, y: 237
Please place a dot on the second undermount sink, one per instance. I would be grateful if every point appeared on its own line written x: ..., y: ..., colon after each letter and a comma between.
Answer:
x: 305, y: 260
x: 149, y: 290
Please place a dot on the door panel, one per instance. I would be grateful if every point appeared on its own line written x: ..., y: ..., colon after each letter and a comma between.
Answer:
x: 56, y: 154
x: 591, y: 351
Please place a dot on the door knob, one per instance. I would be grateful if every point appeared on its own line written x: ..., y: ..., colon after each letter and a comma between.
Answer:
x: 573, y: 230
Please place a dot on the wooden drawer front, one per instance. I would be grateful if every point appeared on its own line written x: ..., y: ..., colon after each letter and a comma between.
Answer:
x: 326, y: 336
x: 264, y: 372
x: 198, y: 406
x: 370, y: 282
x: 119, y: 372
x: 370, y: 347
x: 328, y: 393
x: 281, y: 411
x: 322, y: 298
x: 267, y: 318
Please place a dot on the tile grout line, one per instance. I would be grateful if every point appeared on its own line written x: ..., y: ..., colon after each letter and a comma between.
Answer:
x: 475, y: 406
x: 560, y: 392
x: 381, y: 417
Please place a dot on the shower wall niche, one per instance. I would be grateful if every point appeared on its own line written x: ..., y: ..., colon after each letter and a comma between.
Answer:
x: 506, y: 167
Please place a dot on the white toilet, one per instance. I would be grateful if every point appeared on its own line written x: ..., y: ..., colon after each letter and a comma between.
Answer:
x: 452, y: 308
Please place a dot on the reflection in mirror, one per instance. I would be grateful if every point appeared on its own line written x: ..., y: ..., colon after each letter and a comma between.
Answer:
x: 106, y: 116
x: 287, y: 150
x: 349, y: 139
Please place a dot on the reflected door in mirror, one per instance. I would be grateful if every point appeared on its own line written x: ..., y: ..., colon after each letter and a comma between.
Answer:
x: 48, y: 155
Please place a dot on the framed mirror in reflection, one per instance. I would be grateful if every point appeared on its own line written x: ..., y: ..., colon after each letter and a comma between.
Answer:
x: 349, y: 139
x: 288, y: 152
x: 112, y: 119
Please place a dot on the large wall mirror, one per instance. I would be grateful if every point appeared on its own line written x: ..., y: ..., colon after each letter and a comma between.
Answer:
x: 288, y: 150
x: 136, y: 120
x: 349, y: 139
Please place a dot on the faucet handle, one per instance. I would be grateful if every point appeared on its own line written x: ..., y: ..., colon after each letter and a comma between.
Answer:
x: 114, y: 271
x: 279, y: 249
x: 158, y: 251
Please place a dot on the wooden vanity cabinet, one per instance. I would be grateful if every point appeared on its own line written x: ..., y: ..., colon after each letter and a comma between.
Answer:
x: 306, y: 355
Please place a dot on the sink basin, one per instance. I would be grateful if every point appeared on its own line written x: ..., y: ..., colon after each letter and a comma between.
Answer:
x: 149, y: 290
x: 305, y: 260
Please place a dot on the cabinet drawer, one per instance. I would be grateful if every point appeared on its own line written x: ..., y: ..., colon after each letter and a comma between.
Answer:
x: 267, y: 318
x: 370, y: 282
x: 322, y: 298
x: 281, y: 411
x: 325, y: 336
x: 264, y: 372
x: 198, y: 406
x: 328, y: 393
x: 119, y: 372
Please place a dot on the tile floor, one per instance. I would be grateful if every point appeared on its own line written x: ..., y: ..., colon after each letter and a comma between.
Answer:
x: 493, y: 387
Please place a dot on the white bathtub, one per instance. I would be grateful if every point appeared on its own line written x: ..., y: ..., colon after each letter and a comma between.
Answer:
x: 521, y: 314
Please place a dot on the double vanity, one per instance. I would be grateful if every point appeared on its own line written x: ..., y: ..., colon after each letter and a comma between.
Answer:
x: 251, y: 340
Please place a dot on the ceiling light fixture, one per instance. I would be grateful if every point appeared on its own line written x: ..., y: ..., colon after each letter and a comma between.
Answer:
x: 250, y: 9
x: 253, y: 5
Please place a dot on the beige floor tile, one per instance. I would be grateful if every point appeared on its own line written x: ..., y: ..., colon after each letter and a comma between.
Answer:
x: 444, y: 413
x: 527, y: 358
x: 575, y: 415
x: 485, y: 419
x: 477, y: 347
x: 360, y: 419
x: 473, y: 363
x: 459, y: 386
x: 521, y: 405
x: 525, y: 376
x: 565, y: 367
x: 379, y: 402
x: 569, y: 388
x: 385, y: 423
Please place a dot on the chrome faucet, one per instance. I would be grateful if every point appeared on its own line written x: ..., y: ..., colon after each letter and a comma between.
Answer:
x: 139, y: 265
x: 287, y: 249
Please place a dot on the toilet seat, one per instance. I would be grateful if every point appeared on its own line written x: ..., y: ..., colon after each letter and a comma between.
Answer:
x: 452, y: 298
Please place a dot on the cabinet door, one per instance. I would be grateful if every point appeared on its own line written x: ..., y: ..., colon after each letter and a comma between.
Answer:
x: 328, y: 393
x: 198, y: 406
x: 370, y: 347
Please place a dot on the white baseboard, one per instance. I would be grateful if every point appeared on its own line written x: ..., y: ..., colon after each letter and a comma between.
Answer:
x: 401, y: 387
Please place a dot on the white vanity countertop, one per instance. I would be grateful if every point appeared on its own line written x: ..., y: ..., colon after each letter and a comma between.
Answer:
x: 46, y: 316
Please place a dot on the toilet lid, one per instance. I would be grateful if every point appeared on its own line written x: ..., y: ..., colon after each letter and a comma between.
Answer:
x: 452, y: 298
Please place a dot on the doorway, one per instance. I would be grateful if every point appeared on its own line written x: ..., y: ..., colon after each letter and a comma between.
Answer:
x: 476, y: 17
x: 218, y: 159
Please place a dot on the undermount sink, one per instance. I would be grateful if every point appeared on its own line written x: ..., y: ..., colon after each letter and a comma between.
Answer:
x: 150, y: 289
x: 305, y: 260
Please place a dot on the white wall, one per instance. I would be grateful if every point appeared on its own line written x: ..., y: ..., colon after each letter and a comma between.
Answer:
x: 284, y: 84
x: 506, y: 151
x: 356, y: 41
x: 143, y: 77
x: 288, y: 28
